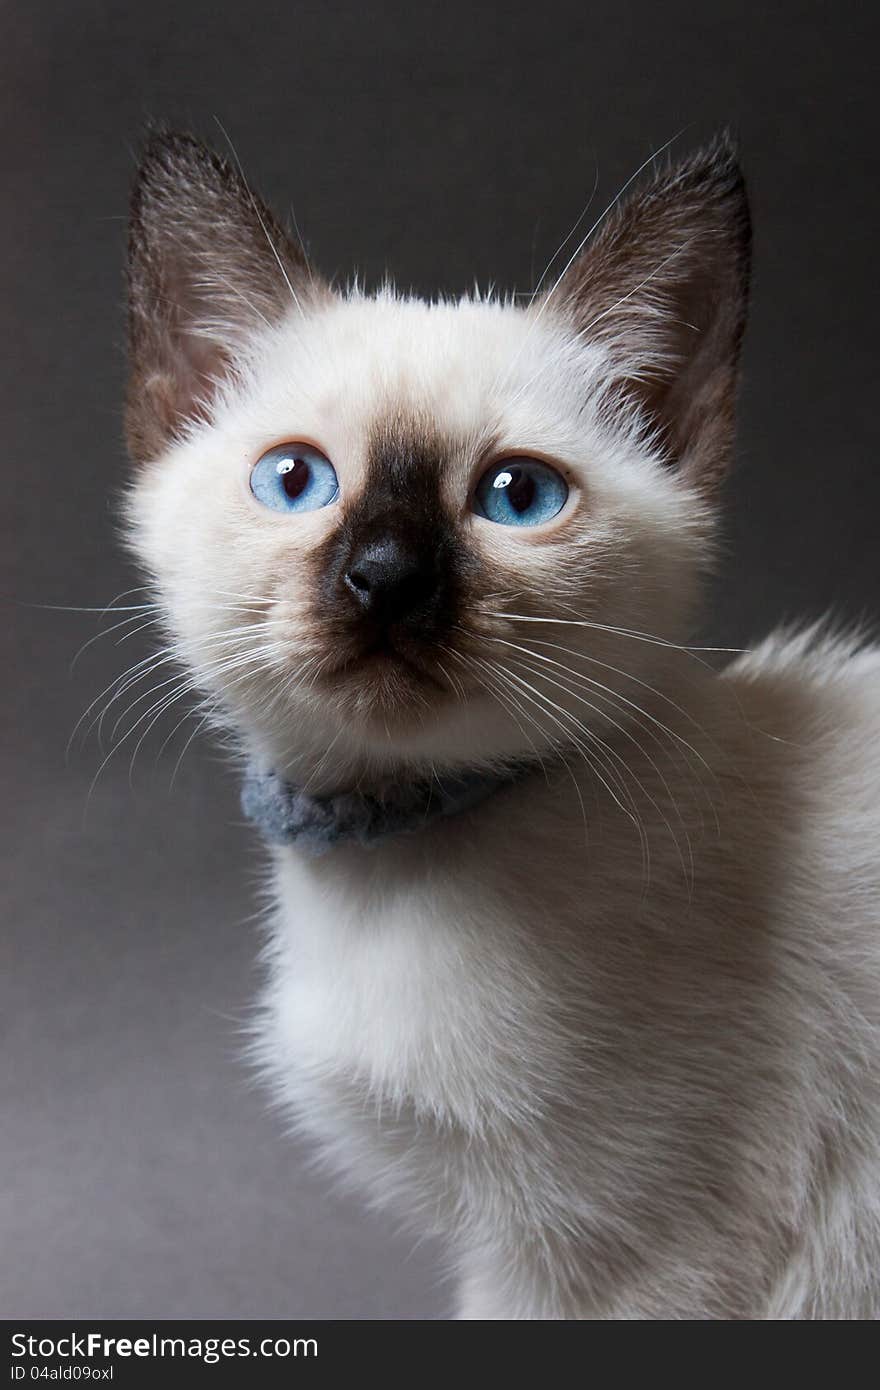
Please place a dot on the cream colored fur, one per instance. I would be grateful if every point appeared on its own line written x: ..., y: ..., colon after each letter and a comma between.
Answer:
x: 613, y: 1036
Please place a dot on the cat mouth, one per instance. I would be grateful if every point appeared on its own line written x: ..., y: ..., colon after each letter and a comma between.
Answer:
x: 382, y: 661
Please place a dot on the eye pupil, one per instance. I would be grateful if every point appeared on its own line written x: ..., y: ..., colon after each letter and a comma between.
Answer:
x: 294, y: 474
x: 520, y: 490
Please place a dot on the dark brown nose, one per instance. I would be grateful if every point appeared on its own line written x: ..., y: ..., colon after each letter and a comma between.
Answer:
x: 391, y: 581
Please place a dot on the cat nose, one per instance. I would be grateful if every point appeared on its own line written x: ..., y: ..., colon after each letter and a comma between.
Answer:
x: 390, y: 581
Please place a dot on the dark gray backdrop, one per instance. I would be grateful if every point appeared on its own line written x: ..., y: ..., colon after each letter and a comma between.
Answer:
x: 142, y: 1174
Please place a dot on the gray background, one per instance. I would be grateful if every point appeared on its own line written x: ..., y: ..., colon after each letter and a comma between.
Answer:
x: 142, y: 1171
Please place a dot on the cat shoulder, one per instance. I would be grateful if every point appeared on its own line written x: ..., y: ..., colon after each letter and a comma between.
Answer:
x: 814, y: 690
x: 819, y: 654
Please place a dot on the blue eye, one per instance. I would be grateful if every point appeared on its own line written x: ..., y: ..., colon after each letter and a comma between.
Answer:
x: 520, y: 492
x: 294, y: 478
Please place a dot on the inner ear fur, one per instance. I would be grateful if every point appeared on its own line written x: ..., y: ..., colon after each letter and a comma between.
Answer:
x: 209, y: 265
x: 663, y: 287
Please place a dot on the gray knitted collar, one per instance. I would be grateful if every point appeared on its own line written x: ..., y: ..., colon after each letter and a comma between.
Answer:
x: 289, y: 815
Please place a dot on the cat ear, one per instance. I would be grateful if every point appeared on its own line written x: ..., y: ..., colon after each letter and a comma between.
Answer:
x: 208, y: 266
x: 663, y: 288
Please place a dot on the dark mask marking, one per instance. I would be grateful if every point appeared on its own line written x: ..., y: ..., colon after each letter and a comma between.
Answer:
x: 395, y: 568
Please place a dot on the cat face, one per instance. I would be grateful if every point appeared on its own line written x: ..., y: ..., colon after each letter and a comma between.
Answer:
x: 388, y: 532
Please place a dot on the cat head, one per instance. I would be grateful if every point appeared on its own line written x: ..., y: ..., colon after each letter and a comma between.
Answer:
x: 388, y: 533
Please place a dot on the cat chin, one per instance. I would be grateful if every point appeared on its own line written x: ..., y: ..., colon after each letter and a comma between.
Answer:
x: 391, y: 726
x: 383, y: 688
x: 390, y: 713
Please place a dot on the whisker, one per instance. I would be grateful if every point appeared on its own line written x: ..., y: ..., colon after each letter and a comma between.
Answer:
x: 617, y: 698
x: 489, y: 669
x: 616, y: 631
x: 146, y: 661
x: 547, y: 706
x: 195, y: 733
x: 570, y: 651
x: 106, y: 632
x: 688, y: 871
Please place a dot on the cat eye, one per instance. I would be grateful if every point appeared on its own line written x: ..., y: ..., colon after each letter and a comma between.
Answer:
x: 520, y: 492
x: 294, y: 478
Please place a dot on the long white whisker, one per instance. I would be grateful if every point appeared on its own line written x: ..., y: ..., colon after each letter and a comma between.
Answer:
x: 547, y: 706
x: 196, y: 731
x: 489, y: 669
x: 130, y: 675
x: 595, y: 661
x: 617, y: 631
x: 688, y: 870
x: 106, y: 632
x: 619, y: 698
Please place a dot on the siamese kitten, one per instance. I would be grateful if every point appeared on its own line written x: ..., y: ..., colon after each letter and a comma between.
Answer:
x: 575, y: 944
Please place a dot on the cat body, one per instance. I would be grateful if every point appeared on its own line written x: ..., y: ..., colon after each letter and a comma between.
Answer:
x: 617, y: 1101
x: 612, y: 1032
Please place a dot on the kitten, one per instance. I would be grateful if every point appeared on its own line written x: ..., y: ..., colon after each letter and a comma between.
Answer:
x: 576, y: 941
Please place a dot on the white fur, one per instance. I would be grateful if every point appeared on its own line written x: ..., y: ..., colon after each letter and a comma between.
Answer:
x: 623, y: 1073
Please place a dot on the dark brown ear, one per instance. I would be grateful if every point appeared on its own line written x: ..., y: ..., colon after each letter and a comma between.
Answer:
x: 208, y: 266
x: 663, y: 287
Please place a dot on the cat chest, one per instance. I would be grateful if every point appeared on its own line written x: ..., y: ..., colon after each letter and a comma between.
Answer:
x: 407, y: 998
